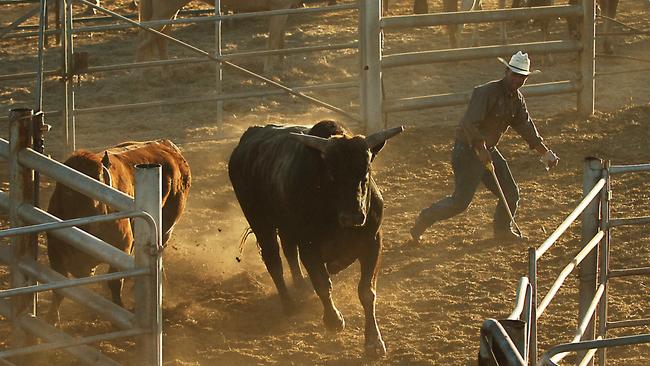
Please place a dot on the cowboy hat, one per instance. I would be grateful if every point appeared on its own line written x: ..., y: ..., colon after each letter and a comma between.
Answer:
x: 519, y: 64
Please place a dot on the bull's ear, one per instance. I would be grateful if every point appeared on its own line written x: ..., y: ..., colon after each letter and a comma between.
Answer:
x: 377, y: 140
x: 314, y: 142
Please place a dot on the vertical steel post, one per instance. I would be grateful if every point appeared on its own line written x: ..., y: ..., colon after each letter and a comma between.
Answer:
x: 42, y: 23
x: 218, y: 66
x: 587, y: 59
x: 604, y: 263
x: 370, y: 35
x: 21, y: 190
x: 148, y: 289
x: 68, y: 75
x: 593, y: 169
x: 532, y: 278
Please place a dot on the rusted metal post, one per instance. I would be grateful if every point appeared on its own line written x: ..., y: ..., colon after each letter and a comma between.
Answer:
x: 604, y: 263
x: 587, y: 58
x: 370, y: 35
x: 590, y: 225
x: 21, y: 190
x: 148, y: 289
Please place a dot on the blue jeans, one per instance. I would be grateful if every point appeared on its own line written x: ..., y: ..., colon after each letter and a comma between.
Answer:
x: 468, y: 172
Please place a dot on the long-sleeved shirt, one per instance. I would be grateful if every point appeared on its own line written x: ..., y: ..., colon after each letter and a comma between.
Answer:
x: 491, y: 111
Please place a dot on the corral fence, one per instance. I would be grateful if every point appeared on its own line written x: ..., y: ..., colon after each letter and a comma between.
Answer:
x: 76, y: 63
x: 519, y: 346
x: 28, y: 277
x: 583, y: 84
x: 373, y: 106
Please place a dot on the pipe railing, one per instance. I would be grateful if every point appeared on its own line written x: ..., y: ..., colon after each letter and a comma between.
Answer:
x: 570, y: 219
x: 98, y: 304
x: 453, y: 99
x: 584, y: 322
x: 73, y: 282
x: 482, y: 16
x: 477, y: 53
x: 618, y: 169
x: 585, y: 345
x: 494, y: 332
x: 520, y: 299
x: 567, y: 271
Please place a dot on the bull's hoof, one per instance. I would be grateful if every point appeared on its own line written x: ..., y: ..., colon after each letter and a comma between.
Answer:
x: 334, y: 322
x: 375, y: 348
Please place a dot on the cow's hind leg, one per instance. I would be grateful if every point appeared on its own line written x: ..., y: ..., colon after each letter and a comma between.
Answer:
x: 290, y: 250
x: 57, y: 263
x: 116, y: 288
x: 453, y: 30
x: 374, y: 345
x: 268, y: 241
x: 320, y: 279
x: 276, y: 32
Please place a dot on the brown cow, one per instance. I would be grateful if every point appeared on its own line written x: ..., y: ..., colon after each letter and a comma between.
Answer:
x: 167, y: 9
x: 114, y: 167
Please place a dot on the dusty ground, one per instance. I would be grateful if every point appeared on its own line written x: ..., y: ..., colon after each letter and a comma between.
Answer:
x: 432, y: 298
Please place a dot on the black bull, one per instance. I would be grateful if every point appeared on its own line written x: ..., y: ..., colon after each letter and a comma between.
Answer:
x: 313, y: 187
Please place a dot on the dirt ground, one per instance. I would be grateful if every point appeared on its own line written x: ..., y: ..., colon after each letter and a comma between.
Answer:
x: 432, y: 298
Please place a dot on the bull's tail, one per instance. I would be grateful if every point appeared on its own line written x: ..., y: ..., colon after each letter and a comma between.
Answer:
x: 242, y: 240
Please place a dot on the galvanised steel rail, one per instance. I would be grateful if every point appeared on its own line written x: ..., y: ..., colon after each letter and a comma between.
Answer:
x: 214, y: 18
x: 477, y: 53
x: 48, y: 333
x: 585, y: 345
x: 73, y: 282
x: 570, y: 219
x: 453, y: 99
x: 98, y: 304
x: 483, y: 16
x: 567, y: 271
x: 494, y: 331
x: 583, y: 323
x: 618, y: 169
x: 71, y: 343
x: 520, y: 300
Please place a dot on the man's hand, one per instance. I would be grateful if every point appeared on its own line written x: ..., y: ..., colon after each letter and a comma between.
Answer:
x: 549, y: 159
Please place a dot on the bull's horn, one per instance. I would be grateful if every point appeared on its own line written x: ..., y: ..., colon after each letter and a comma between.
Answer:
x: 314, y: 142
x: 381, y: 136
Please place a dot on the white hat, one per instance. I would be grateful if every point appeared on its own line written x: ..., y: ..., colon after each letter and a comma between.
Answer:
x: 519, y: 64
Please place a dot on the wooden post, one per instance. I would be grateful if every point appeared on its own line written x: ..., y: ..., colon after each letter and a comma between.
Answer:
x: 587, y: 59
x: 21, y: 190
x: 370, y: 47
x: 589, y: 267
x: 148, y: 289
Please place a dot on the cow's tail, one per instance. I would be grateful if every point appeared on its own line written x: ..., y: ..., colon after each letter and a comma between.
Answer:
x: 242, y: 240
